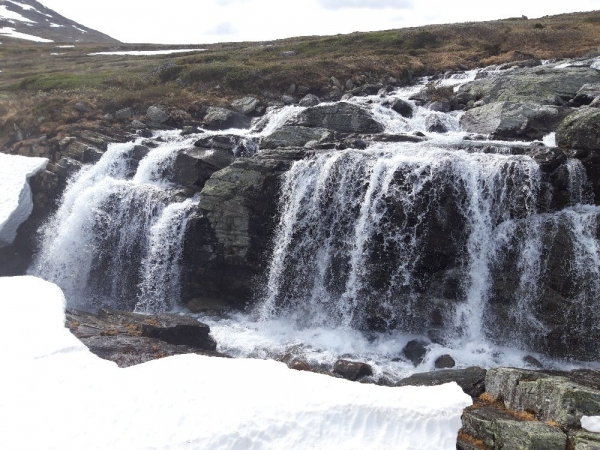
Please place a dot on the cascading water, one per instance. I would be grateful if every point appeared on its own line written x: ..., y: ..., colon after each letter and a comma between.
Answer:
x: 373, y: 247
x: 116, y: 238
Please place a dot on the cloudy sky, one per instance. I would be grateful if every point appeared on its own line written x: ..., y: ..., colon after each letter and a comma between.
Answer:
x: 208, y: 21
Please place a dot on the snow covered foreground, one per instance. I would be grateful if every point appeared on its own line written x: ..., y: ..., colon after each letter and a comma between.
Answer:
x: 15, y: 198
x: 55, y: 394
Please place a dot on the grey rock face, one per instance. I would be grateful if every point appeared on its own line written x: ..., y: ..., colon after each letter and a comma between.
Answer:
x: 226, y: 243
x: 221, y: 119
x: 157, y: 115
x: 194, y: 166
x: 555, y: 398
x: 580, y: 130
x: 583, y: 440
x: 415, y: 351
x: 536, y: 84
x: 291, y: 136
x: 246, y: 105
x: 501, y: 430
x: 513, y: 120
x: 342, y: 117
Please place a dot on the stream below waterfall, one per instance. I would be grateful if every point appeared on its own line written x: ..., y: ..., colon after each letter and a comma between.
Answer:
x: 345, y: 258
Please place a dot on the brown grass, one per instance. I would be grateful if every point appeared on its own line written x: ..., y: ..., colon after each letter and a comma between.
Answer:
x: 35, y: 84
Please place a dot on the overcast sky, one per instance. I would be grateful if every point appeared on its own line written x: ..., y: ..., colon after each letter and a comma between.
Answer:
x: 208, y: 21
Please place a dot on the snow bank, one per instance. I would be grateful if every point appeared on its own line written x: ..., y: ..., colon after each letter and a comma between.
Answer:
x: 148, y: 52
x: 591, y: 423
x: 57, y: 395
x: 15, y: 202
x: 8, y: 14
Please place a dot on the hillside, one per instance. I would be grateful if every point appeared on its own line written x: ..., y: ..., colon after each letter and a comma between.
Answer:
x: 29, y: 20
x: 40, y: 84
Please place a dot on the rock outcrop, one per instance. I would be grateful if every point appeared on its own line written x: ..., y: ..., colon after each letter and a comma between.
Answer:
x: 342, y: 117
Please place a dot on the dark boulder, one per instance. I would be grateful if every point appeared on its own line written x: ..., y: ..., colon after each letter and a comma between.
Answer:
x: 157, y: 114
x: 434, y: 124
x: 342, y: 117
x: 246, y: 105
x: 402, y: 107
x: 309, y: 100
x: 445, y: 362
x: 471, y: 380
x: 587, y: 94
x: 352, y: 370
x: 415, y: 351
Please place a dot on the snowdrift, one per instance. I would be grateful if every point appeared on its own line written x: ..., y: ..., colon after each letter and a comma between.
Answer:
x: 57, y: 395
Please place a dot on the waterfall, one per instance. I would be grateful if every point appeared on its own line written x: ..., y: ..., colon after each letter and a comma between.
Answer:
x: 116, y: 239
x: 412, y: 237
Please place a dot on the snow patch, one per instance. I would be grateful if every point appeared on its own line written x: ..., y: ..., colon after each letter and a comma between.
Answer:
x: 591, y: 423
x: 79, y: 29
x: 16, y: 203
x: 8, y: 14
x: 11, y: 32
x: 222, y: 404
x: 54, y: 25
x: 148, y: 52
x: 65, y: 46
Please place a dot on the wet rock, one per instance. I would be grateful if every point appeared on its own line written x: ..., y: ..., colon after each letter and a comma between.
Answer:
x: 129, y: 339
x: 300, y: 365
x: 145, y: 133
x: 309, y: 100
x: 246, y: 105
x: 402, y: 107
x: 415, y: 351
x: 238, y: 146
x: 226, y: 243
x: 513, y: 120
x: 580, y: 130
x: 434, y: 124
x: 79, y: 151
x: 66, y: 167
x: 157, y: 114
x: 221, y: 119
x: 351, y: 370
x: 533, y: 362
x: 587, y: 94
x: 342, y: 117
x: 537, y: 84
x: 439, y: 106
x: 416, y: 137
x: 124, y: 114
x: 471, y: 380
x: 292, y: 136
x: 549, y: 397
x: 189, y: 129
x: 194, y: 166
x: 445, y: 362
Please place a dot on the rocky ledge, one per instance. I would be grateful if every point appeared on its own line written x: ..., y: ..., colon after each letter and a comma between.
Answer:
x: 129, y: 338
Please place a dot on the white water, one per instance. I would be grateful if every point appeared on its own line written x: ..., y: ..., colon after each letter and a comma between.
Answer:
x: 349, y: 250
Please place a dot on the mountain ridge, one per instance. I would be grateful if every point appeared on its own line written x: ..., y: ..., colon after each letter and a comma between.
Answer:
x: 30, y: 20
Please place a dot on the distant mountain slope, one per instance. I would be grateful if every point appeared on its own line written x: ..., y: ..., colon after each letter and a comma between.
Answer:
x: 30, y: 20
